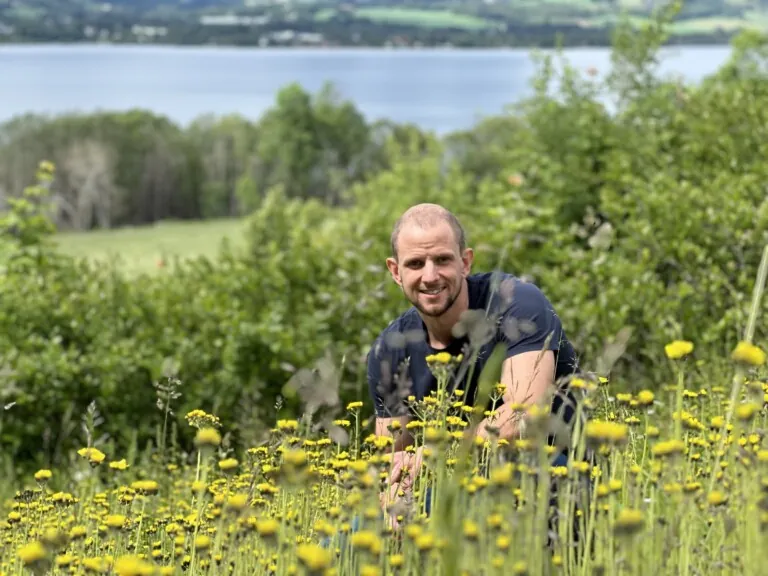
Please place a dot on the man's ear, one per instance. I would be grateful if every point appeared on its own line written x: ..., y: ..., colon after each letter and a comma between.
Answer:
x: 467, y: 259
x: 394, y: 270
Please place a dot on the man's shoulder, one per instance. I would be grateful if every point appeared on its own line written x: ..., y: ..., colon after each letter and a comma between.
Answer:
x: 495, y: 290
x: 399, y: 333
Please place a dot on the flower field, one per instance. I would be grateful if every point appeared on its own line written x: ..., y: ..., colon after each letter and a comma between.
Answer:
x: 645, y: 490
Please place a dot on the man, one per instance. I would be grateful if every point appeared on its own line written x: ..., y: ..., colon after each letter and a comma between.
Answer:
x: 432, y: 265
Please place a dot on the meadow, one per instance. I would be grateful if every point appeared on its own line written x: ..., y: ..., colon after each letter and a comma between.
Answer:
x: 214, y: 418
x: 730, y: 16
x: 674, y: 483
x: 150, y: 249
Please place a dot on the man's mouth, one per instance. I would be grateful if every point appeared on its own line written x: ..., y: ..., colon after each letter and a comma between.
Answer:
x: 434, y: 292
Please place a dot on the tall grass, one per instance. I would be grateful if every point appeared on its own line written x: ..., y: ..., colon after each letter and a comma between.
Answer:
x: 669, y: 483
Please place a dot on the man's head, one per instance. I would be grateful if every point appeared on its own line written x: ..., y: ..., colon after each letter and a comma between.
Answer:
x: 430, y: 260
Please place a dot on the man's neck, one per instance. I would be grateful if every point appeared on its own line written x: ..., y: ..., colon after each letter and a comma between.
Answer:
x: 439, y: 330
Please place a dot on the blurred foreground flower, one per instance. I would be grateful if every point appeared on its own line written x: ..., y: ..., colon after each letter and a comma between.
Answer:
x: 678, y: 349
x: 748, y: 353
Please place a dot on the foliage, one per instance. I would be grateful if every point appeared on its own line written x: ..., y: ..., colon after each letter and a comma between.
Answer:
x: 129, y: 168
x: 642, y: 225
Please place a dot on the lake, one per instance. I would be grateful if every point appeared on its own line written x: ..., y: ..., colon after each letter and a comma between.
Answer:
x: 437, y: 89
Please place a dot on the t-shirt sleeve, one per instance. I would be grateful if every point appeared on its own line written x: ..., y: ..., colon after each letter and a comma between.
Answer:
x: 529, y: 323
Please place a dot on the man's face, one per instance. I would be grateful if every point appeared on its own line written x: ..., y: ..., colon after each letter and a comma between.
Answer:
x: 429, y: 268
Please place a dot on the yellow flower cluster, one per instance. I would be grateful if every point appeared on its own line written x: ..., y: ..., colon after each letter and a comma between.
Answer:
x: 691, y: 455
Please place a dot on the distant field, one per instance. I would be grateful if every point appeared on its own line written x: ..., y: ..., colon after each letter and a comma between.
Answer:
x: 140, y: 249
x: 415, y: 17
x: 698, y: 25
x: 585, y: 12
x: 711, y: 25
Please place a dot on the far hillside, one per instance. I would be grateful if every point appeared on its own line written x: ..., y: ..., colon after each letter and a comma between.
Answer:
x: 461, y: 23
x: 695, y: 15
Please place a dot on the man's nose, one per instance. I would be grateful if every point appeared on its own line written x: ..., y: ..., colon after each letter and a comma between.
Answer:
x: 430, y: 272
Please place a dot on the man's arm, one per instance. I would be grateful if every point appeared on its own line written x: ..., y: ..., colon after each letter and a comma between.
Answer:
x: 531, y: 331
x: 526, y: 378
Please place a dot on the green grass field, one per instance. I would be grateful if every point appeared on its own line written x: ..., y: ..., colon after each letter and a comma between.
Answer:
x: 140, y: 249
x: 586, y: 12
x: 415, y: 17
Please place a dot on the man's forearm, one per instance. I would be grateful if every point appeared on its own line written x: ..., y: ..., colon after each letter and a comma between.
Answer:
x: 505, y: 421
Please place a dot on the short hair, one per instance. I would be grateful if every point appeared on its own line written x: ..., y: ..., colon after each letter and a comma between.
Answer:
x: 424, y: 216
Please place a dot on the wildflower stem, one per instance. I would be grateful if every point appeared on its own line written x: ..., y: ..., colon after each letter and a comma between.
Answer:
x: 141, y: 520
x: 738, y: 378
x: 679, y: 403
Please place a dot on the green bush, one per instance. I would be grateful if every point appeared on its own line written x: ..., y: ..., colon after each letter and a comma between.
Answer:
x: 651, y: 218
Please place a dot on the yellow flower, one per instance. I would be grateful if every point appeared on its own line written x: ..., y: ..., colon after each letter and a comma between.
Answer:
x: 668, y: 448
x: 609, y: 432
x: 94, y: 564
x: 425, y: 542
x: 287, y: 424
x: 295, y: 457
x: 237, y: 502
x: 502, y: 541
x: 145, y: 486
x: 439, y: 358
x: 645, y: 397
x: 200, y: 419
x: 748, y: 353
x: 717, y: 498
x: 132, y: 566
x: 207, y: 437
x: 678, y: 349
x: 115, y: 520
x: 43, y: 475
x: 629, y: 521
x: 228, y: 465
x: 32, y: 553
x: 747, y: 411
x: 119, y: 465
x: 93, y: 455
x: 313, y: 557
x: 471, y: 530
x: 396, y: 560
x: 202, y: 542
x: 64, y: 560
x: 366, y: 540
x: 267, y: 527
x: 354, y: 405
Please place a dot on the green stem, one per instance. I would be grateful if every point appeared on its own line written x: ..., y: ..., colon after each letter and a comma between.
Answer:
x: 749, y: 332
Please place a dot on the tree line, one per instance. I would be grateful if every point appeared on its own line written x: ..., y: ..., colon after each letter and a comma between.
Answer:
x: 131, y: 168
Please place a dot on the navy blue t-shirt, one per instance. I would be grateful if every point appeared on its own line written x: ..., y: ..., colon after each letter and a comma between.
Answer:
x: 516, y: 314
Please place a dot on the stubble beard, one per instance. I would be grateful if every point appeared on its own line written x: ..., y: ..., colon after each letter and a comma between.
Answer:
x: 436, y: 314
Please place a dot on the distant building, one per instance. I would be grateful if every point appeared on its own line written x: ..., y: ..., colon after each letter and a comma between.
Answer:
x: 231, y: 19
x: 148, y: 32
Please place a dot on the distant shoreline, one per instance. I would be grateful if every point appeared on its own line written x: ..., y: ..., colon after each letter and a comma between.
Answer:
x: 344, y: 48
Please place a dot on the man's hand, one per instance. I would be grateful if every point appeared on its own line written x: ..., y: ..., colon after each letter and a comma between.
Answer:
x: 403, y: 474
